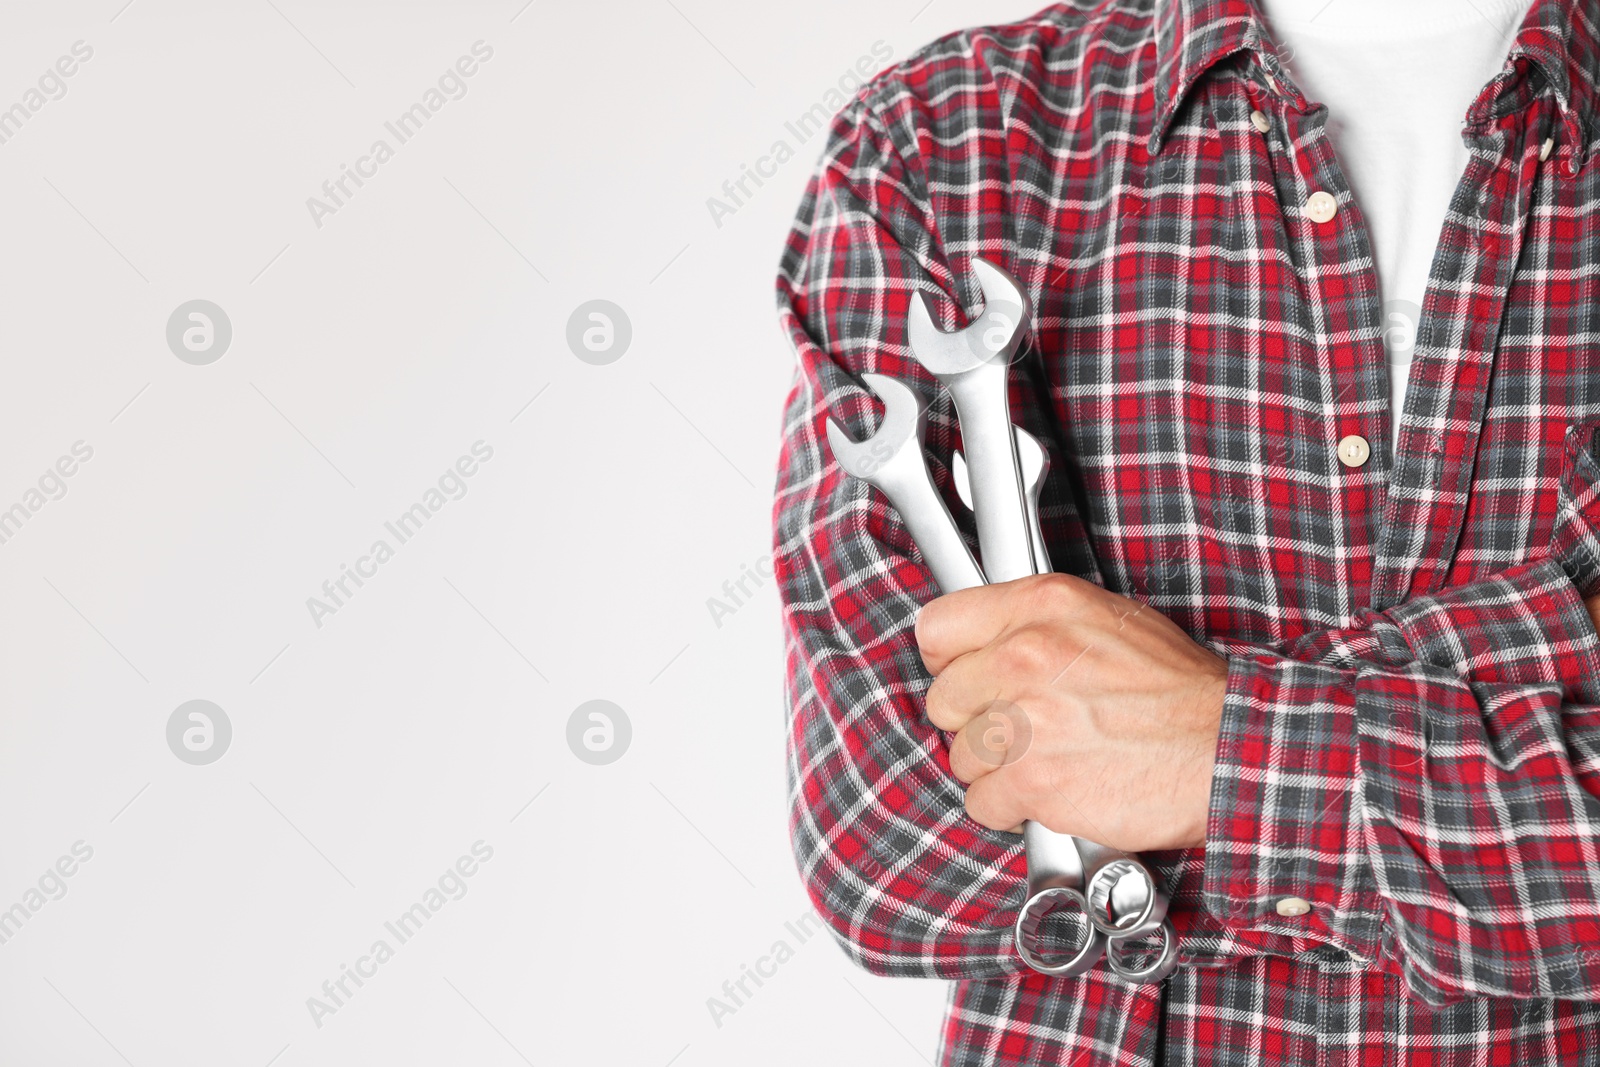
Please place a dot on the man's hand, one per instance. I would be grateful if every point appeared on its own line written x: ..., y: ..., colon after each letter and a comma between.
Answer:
x: 1076, y: 708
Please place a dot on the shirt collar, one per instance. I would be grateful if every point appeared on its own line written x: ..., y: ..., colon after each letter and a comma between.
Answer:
x: 1559, y: 36
x: 1192, y: 36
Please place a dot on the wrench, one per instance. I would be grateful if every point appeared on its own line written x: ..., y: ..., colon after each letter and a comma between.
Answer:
x: 1035, y: 463
x: 893, y: 461
x: 973, y: 363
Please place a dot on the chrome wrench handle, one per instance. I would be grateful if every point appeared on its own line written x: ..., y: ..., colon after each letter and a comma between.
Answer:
x: 1035, y: 464
x: 999, y: 500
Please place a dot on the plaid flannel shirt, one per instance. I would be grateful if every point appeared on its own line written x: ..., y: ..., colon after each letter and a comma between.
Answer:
x: 1411, y: 735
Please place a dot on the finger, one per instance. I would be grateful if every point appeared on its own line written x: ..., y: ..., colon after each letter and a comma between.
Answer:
x: 963, y: 690
x: 963, y: 621
x: 1000, y: 735
x: 1018, y: 666
x: 957, y: 623
x: 994, y: 801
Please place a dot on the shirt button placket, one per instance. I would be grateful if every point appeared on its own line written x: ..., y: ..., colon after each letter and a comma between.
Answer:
x: 1353, y: 449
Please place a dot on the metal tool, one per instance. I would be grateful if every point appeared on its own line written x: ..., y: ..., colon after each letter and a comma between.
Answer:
x: 1127, y: 907
x: 1123, y: 902
x: 1035, y: 464
x: 892, y: 460
x: 975, y: 365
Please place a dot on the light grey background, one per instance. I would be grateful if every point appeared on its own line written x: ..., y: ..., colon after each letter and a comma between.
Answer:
x: 430, y: 711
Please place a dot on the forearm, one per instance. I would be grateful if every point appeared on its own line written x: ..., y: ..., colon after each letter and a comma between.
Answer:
x: 907, y: 881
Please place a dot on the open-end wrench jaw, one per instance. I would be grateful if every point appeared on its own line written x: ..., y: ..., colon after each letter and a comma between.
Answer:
x: 892, y: 460
x: 905, y: 415
x: 991, y: 337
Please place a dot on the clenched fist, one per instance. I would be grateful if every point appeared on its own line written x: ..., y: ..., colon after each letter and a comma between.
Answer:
x: 1076, y: 708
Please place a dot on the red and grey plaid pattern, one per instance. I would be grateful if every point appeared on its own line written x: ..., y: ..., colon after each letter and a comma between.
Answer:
x: 1411, y: 738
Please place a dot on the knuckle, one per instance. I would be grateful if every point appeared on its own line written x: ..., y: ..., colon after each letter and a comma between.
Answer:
x: 936, y: 705
x: 962, y: 761
x: 1030, y: 780
x: 1012, y: 725
x: 1001, y: 734
x: 1053, y: 594
x: 1028, y: 650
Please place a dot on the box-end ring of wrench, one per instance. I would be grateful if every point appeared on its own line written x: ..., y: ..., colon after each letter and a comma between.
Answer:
x: 973, y: 363
x: 892, y: 460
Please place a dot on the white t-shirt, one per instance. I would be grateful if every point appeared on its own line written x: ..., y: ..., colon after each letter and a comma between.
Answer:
x: 1397, y: 77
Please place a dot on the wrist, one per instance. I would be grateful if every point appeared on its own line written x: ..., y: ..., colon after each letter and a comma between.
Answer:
x: 1213, y: 699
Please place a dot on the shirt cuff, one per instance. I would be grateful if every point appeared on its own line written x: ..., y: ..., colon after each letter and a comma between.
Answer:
x: 1284, y: 829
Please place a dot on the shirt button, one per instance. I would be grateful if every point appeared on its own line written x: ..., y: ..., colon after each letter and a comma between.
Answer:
x: 1321, y: 206
x: 1544, y: 149
x: 1289, y: 907
x: 1259, y: 121
x: 1354, y: 450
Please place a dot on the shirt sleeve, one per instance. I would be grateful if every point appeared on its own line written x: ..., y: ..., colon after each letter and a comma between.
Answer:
x: 908, y: 884
x: 1429, y: 778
